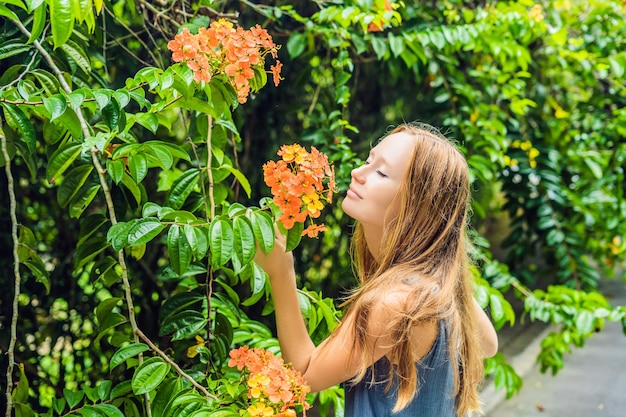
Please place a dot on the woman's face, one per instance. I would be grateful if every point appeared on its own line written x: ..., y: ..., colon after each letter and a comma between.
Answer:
x: 371, y: 197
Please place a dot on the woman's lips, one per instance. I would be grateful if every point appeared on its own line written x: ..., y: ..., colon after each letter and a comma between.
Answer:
x: 353, y: 194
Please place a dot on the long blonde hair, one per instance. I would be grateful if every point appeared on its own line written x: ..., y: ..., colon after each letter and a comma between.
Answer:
x: 424, y: 247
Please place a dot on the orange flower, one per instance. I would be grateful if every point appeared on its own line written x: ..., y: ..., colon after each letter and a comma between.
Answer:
x: 221, y: 48
x: 300, y: 182
x: 313, y: 230
x: 184, y: 46
x: 274, y: 388
x: 276, y: 68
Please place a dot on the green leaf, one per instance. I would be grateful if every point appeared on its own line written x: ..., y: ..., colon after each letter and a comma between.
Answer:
x: 149, y: 375
x: 164, y: 396
x: 27, y: 243
x: 77, y: 54
x: 148, y: 120
x: 6, y: 12
x: 179, y: 250
x: 61, y: 20
x: 61, y: 159
x: 132, y: 186
x: 110, y: 321
x: 585, y: 322
x: 39, y: 22
x: 16, y: 118
x: 72, y: 397
x: 244, y: 243
x: 240, y: 177
x: 18, y: 3
x: 198, y: 240
x: 12, y: 47
x: 109, y: 410
x: 112, y: 115
x: 59, y: 405
x: 103, y: 268
x: 76, y: 98
x: 138, y: 166
x: 37, y: 267
x: 47, y: 80
x: 116, y: 169
x: 221, y: 241
x: 83, y: 198
x: 56, y: 105
x: 183, y: 325
x: 90, y: 225
x: 120, y: 390
x: 105, y: 307
x: 144, y: 230
x: 20, y: 392
x: 294, y: 236
x: 179, y: 302
x: 257, y: 284
x: 86, y: 252
x: 118, y: 235
x: 102, y: 97
x: 126, y: 352
x: 263, y: 229
x: 182, y: 187
x: 72, y: 183
x: 296, y: 44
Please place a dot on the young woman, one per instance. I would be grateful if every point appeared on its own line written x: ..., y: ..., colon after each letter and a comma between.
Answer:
x: 413, y: 340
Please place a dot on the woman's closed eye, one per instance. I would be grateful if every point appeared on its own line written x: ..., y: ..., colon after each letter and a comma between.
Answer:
x: 378, y: 171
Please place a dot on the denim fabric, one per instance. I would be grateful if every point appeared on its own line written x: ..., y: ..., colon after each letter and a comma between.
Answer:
x: 434, y: 398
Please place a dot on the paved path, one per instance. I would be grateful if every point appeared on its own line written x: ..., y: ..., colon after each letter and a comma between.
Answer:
x: 591, y: 384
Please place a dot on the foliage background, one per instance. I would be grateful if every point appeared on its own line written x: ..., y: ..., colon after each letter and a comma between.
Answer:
x: 532, y: 92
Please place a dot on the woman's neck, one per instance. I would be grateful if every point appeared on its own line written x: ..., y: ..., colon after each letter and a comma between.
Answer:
x: 373, y: 237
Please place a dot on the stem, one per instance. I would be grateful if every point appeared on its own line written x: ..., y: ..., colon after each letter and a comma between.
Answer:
x: 121, y: 259
x: 16, y: 271
x: 208, y: 166
x: 211, y: 213
x: 167, y: 359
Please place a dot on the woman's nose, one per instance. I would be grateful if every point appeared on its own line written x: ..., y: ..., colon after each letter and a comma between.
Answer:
x: 357, y: 174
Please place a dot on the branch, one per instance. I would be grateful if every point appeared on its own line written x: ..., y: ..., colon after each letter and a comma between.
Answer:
x: 178, y: 369
x: 16, y: 270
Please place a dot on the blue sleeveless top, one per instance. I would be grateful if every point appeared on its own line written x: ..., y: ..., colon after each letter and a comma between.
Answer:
x: 434, y: 398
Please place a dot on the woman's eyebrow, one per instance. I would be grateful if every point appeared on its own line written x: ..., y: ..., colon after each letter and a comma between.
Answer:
x: 380, y: 157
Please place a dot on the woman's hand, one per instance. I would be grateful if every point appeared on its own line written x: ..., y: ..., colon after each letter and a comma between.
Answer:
x: 278, y: 262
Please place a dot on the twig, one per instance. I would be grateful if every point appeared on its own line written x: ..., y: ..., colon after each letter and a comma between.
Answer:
x: 167, y: 359
x: 208, y: 167
x: 16, y: 271
x: 137, y: 37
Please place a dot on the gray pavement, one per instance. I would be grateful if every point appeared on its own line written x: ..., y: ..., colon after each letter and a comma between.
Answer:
x: 591, y: 384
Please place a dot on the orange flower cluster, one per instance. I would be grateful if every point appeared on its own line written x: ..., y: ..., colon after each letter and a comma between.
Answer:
x: 274, y: 388
x: 378, y: 24
x: 300, y: 182
x: 222, y: 48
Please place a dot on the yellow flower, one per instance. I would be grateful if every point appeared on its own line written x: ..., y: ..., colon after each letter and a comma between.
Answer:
x: 257, y: 384
x: 536, y: 13
x: 293, y: 153
x: 260, y: 410
x: 192, y: 352
x: 312, y: 203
